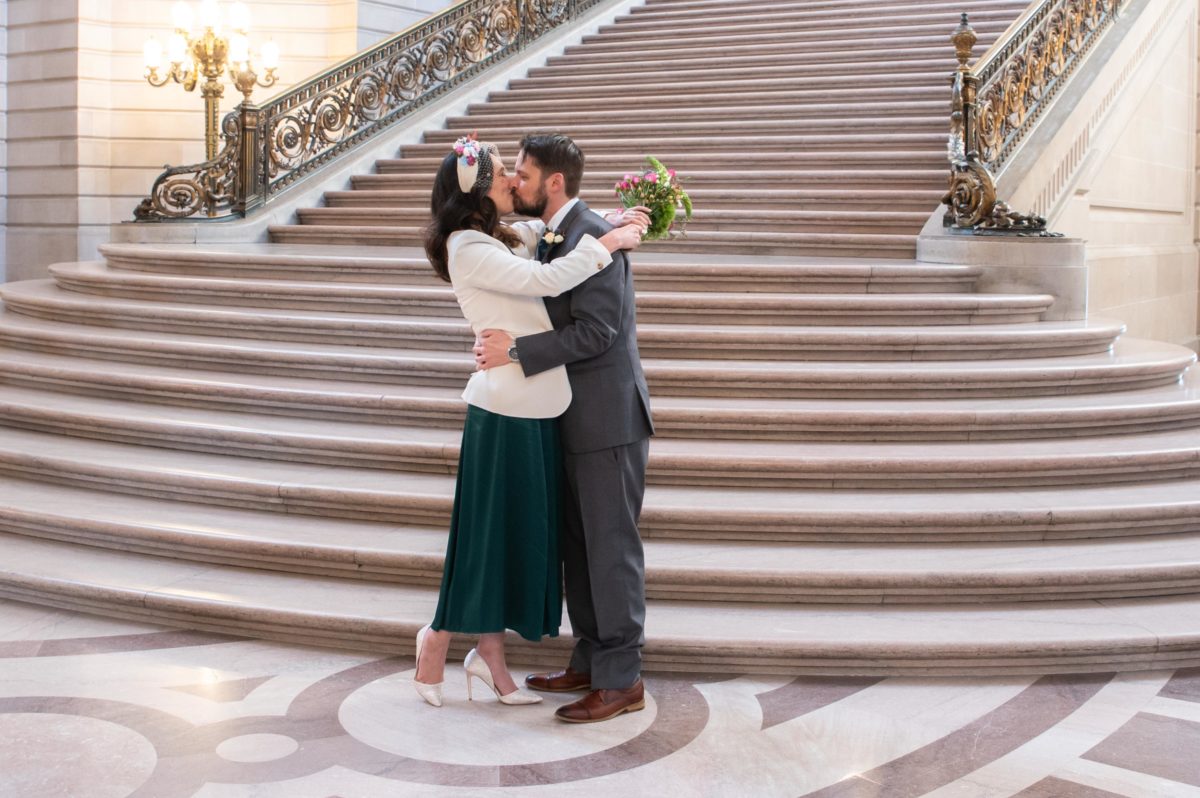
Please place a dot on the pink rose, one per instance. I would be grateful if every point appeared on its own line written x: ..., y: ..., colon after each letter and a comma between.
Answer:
x: 636, y: 180
x: 652, y: 177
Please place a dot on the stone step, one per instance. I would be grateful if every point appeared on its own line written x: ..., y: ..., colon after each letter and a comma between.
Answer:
x: 886, y: 222
x: 883, y: 419
x: 705, y: 199
x: 776, y: 113
x: 797, y: 574
x: 585, y: 89
x: 44, y: 299
x: 771, y: 17
x: 896, y: 513
x: 847, y: 178
x: 381, y: 319
x: 636, y: 71
x: 728, y: 101
x: 675, y: 146
x: 700, y: 241
x: 933, y: 639
x: 760, y: 49
x: 716, y: 9
x: 745, y: 93
x: 143, y: 266
x: 859, y: 33
x: 689, y: 164
x: 829, y: 60
x: 1173, y: 454
x: 696, y: 130
x: 1131, y: 364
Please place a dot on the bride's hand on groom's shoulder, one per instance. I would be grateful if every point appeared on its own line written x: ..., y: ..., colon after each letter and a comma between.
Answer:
x: 639, y: 215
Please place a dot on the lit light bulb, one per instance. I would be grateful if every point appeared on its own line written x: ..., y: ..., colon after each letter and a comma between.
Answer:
x: 176, y: 48
x: 181, y: 15
x: 239, y: 48
x: 239, y: 17
x: 152, y: 53
x: 210, y: 15
x: 270, y: 55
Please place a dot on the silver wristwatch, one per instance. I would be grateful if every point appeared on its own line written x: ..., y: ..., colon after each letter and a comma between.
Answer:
x: 512, y: 354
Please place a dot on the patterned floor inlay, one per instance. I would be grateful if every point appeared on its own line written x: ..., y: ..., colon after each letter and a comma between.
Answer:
x: 95, y: 707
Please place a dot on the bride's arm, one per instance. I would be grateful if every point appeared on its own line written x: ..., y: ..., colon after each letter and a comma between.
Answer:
x: 531, y: 232
x: 482, y: 264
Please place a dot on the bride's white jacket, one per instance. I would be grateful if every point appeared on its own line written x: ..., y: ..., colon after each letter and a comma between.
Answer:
x: 500, y: 290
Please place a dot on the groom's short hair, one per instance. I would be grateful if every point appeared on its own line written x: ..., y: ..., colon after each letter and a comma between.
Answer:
x: 555, y: 152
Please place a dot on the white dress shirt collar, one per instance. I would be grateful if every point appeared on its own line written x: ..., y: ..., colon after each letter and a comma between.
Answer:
x: 557, y: 219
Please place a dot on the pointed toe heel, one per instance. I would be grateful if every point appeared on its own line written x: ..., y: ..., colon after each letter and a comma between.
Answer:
x: 478, y: 669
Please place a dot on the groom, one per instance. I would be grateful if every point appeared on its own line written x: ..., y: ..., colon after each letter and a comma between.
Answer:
x: 605, y: 433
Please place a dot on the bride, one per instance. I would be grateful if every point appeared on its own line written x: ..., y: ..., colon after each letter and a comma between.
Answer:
x: 502, y: 566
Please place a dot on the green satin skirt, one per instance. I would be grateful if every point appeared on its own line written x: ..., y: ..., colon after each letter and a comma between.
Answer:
x: 502, y: 568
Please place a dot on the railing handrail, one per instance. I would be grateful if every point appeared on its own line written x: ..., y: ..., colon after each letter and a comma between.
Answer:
x: 271, y: 146
x: 995, y: 102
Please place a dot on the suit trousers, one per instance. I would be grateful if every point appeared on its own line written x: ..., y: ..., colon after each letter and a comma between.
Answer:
x: 604, y: 570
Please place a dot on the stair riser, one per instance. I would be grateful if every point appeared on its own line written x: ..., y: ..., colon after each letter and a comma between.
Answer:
x: 605, y: 199
x: 533, y: 89
x: 644, y: 25
x: 776, y: 113
x: 714, y: 223
x: 849, y: 37
x: 661, y: 585
x: 926, y: 182
x: 692, y: 471
x: 728, y: 101
x: 638, y: 73
x: 675, y: 13
x: 604, y: 151
x: 655, y: 522
x: 647, y: 278
x: 618, y: 165
x: 510, y: 135
x: 382, y: 335
x: 453, y: 374
x: 676, y: 656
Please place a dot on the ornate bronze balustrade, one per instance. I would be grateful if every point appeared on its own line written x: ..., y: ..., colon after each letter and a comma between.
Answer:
x: 270, y: 147
x: 995, y: 103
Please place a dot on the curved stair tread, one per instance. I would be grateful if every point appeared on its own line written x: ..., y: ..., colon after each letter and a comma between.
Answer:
x: 708, y: 571
x: 1129, y: 360
x: 396, y: 446
x: 48, y: 292
x: 1104, y: 413
x: 339, y: 491
x: 1034, y: 637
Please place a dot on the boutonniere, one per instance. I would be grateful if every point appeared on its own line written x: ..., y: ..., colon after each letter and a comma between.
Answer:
x: 552, y: 237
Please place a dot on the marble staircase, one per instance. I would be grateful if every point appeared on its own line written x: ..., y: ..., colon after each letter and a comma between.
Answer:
x: 864, y: 465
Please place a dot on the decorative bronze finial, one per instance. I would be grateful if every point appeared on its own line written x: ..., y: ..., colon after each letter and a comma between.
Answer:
x: 964, y: 39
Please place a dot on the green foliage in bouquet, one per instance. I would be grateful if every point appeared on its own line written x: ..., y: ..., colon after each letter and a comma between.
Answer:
x: 659, y: 190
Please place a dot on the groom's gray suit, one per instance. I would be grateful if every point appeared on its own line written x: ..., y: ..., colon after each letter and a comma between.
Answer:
x: 606, y: 438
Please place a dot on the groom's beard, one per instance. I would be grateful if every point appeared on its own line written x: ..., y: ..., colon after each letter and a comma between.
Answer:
x: 536, y: 208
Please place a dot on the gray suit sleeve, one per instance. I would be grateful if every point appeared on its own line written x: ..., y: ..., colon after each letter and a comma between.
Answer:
x: 596, y: 309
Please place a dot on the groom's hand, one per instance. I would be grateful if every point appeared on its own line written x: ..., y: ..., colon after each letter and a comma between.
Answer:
x: 491, y: 349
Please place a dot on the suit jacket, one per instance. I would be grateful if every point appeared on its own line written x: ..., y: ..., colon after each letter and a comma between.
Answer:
x: 595, y: 337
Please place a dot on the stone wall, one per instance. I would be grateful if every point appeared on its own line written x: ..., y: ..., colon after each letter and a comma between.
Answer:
x: 378, y: 19
x: 1140, y: 208
x: 90, y: 134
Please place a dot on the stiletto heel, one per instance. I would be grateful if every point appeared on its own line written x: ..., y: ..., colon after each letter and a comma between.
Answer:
x: 476, y: 667
x: 432, y: 693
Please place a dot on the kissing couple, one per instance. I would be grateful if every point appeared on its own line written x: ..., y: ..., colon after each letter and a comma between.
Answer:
x: 552, y: 468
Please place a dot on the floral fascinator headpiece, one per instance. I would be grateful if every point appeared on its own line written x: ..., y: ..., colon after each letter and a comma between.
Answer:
x: 474, y: 164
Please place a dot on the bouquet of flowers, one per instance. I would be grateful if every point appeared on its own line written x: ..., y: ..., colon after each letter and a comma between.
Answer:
x: 659, y: 190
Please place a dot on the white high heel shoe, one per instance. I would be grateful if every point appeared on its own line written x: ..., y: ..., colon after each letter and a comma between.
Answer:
x: 475, y: 666
x: 432, y: 693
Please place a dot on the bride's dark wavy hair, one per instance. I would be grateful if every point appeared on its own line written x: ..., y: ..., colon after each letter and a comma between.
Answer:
x: 454, y: 209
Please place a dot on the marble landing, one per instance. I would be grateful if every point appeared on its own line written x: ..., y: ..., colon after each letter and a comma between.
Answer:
x: 95, y: 707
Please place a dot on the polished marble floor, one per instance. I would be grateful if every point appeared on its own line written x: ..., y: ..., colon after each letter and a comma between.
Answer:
x: 95, y: 707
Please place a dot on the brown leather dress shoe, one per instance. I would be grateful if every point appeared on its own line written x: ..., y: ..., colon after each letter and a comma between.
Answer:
x: 601, y: 705
x: 559, y: 681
